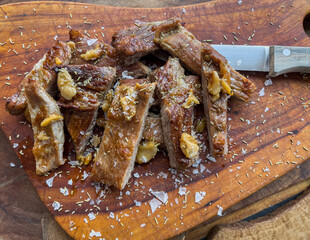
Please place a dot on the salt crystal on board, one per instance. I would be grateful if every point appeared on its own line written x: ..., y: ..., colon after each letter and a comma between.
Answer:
x: 56, y: 205
x: 182, y: 191
x: 199, y: 196
x: 262, y: 92
x: 49, y: 182
x: 268, y: 82
x: 162, y: 196
x: 220, y: 211
x: 94, y: 234
x: 91, y: 216
x: 154, y: 204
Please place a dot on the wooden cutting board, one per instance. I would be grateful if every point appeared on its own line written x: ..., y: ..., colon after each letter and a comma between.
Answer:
x: 269, y: 135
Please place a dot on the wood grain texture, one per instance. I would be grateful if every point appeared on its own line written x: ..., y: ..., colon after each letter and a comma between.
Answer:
x: 249, y: 210
x: 125, y: 3
x: 285, y: 223
x: 285, y: 59
x: 225, y: 190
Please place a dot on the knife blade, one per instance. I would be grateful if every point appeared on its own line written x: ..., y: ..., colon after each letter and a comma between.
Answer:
x: 276, y: 60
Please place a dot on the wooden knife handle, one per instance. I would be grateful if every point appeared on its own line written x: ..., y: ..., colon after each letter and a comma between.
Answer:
x: 289, y: 59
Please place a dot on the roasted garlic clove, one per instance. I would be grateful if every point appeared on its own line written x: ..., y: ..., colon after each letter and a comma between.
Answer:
x: 189, y: 145
x: 147, y: 150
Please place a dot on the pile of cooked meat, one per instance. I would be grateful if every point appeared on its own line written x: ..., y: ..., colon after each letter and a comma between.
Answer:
x: 86, y: 82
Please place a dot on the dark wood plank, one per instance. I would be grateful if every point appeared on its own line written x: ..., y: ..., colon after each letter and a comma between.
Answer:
x: 227, y: 189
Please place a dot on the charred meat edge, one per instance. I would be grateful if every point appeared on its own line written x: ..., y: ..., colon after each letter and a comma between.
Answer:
x: 43, y: 73
x: 179, y: 42
x: 48, y: 140
x: 108, y: 57
x: 173, y: 92
x: 77, y: 120
x: 215, y: 110
x: 135, y: 42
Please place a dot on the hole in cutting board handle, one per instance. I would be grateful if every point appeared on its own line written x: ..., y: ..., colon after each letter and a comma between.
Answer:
x: 306, y: 24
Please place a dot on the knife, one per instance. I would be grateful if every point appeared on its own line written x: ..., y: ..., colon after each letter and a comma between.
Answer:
x: 276, y: 60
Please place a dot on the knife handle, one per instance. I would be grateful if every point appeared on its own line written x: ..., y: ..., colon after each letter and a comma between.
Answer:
x: 289, y: 59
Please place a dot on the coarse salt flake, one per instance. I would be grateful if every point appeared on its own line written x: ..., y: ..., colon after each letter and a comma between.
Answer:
x: 138, y: 204
x: 12, y: 164
x: 182, y: 191
x: 91, y: 41
x: 94, y: 234
x: 56, y: 205
x: 64, y: 191
x: 91, y: 216
x: 160, y: 195
x: 111, y: 215
x: 136, y: 175
x: 268, y: 82
x: 202, y: 168
x: 85, y: 175
x: 195, y: 171
x: 220, y: 211
x: 154, y: 204
x: 199, y: 196
x: 70, y: 182
x: 49, y: 182
x: 262, y: 92
x: 211, y: 158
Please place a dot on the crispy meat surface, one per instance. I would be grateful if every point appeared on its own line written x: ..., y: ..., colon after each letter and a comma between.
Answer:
x: 215, y: 106
x: 91, y: 77
x: 176, y: 119
x: 81, y: 111
x: 179, y: 42
x: 102, y: 55
x: 135, y: 70
x: 115, y: 159
x: 43, y: 73
x: 47, y: 125
x: 84, y: 100
x: 195, y: 84
x: 137, y: 41
x: 91, y: 50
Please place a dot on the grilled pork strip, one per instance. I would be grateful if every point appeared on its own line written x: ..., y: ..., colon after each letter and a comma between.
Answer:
x: 177, y: 112
x: 91, y: 51
x: 43, y: 73
x: 215, y: 102
x: 135, y: 42
x: 115, y: 159
x: 47, y: 126
x: 92, y: 85
x: 95, y: 52
x: 179, y: 42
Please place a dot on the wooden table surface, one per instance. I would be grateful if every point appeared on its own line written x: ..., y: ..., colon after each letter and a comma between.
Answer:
x: 23, y: 215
